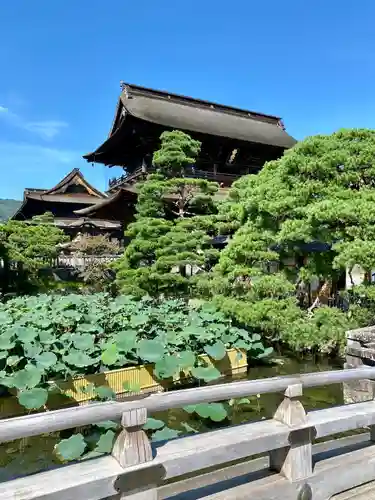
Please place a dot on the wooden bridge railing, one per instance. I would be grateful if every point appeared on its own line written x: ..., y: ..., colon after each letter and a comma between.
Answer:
x: 137, y: 470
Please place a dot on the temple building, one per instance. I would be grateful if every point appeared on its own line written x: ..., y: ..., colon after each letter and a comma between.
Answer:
x: 72, y: 195
x: 235, y: 142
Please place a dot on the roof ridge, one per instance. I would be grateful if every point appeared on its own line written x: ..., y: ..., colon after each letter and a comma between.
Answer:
x: 128, y: 89
x: 65, y: 180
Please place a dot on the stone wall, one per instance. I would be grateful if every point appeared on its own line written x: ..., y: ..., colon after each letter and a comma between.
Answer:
x: 360, y: 351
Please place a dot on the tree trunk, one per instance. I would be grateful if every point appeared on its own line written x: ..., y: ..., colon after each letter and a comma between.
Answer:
x: 322, y: 297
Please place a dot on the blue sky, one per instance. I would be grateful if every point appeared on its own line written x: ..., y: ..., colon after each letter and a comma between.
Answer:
x: 313, y: 63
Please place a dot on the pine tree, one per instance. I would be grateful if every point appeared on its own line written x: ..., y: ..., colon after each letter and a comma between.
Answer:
x: 170, y: 239
x: 322, y: 190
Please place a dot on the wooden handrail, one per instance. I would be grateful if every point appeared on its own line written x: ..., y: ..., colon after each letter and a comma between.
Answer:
x: 135, y: 470
x: 57, y: 420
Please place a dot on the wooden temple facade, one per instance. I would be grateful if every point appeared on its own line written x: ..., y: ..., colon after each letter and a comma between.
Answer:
x: 67, y: 202
x: 235, y: 142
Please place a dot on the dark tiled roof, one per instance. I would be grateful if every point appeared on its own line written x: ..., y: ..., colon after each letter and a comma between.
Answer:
x: 193, y: 115
x: 201, y: 116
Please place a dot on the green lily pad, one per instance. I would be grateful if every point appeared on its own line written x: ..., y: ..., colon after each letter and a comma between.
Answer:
x: 71, y: 448
x: 150, y: 350
x: 79, y: 359
x: 110, y: 355
x: 216, y: 351
x: 207, y: 374
x: 83, y: 342
x: 46, y: 359
x: 165, y: 434
x: 153, y: 424
x: 27, y: 378
x: 105, y: 442
x: 32, y: 399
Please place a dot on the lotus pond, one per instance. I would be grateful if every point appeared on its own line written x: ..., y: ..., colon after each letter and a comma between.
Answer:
x: 34, y: 454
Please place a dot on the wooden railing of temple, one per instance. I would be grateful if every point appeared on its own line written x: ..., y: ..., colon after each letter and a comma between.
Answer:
x: 136, y: 470
x: 221, y: 177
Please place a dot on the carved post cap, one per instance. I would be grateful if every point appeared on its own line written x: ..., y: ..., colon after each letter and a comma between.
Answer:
x: 294, y: 391
x: 134, y: 418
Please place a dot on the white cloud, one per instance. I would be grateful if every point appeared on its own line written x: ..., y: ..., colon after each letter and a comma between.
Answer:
x: 46, y: 129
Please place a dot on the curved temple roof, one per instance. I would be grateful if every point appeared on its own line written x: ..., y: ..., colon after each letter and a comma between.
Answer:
x: 194, y: 115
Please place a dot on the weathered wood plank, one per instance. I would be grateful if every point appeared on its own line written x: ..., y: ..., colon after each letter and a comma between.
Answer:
x: 133, y: 447
x: 331, y: 476
x: 295, y: 460
x: 98, y: 479
x: 199, y: 485
x: 90, y: 480
x: 52, y: 421
x: 341, y: 418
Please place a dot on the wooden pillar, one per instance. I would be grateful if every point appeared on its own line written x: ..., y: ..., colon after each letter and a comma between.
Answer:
x: 294, y: 461
x: 133, y: 447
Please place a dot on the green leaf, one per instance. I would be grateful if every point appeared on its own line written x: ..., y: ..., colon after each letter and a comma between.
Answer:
x: 139, y: 320
x: 13, y: 360
x: 131, y: 386
x: 216, y: 351
x: 242, y: 344
x: 166, y: 367
x: 27, y: 378
x: 267, y: 352
x: 258, y: 345
x: 105, y: 392
x: 25, y: 334
x: 255, y: 337
x: 31, y: 350
x: 165, y: 434
x: 6, y: 343
x: 126, y: 340
x: 71, y: 448
x: 153, y: 424
x: 32, y: 399
x: 78, y: 359
x: 107, y: 424
x: 4, y: 354
x: 46, y: 337
x: 83, y: 342
x: 105, y: 442
x: 207, y: 374
x: 186, y: 359
x: 46, y: 359
x: 218, y: 413
x: 110, y: 355
x: 190, y: 408
x: 150, y: 350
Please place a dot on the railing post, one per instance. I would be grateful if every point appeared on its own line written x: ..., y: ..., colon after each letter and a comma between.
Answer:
x: 294, y: 461
x: 133, y: 447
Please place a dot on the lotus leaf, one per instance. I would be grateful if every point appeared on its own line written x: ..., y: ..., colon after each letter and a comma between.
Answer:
x: 71, y: 448
x: 79, y: 359
x: 207, y: 374
x: 153, y: 424
x: 32, y: 399
x: 83, y: 342
x: 165, y: 434
x: 216, y: 351
x: 110, y: 355
x: 150, y: 350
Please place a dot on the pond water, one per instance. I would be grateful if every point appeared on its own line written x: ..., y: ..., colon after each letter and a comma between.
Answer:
x: 34, y: 454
